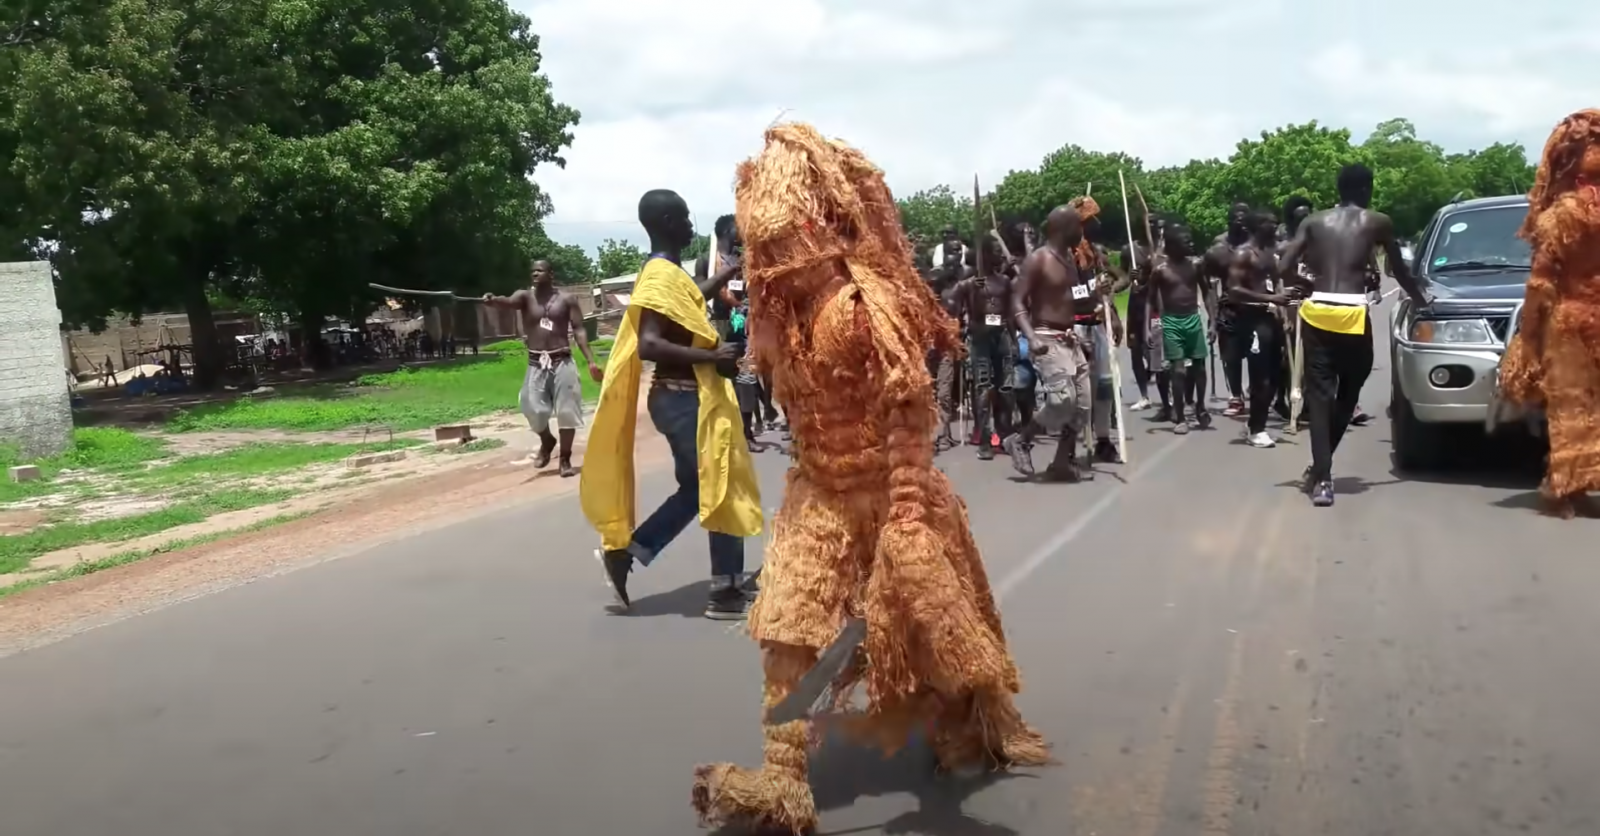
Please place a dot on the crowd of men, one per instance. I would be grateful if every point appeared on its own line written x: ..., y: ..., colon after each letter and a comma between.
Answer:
x: 1040, y: 329
x: 1042, y: 343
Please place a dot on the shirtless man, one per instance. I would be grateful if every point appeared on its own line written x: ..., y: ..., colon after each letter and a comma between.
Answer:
x: 1215, y: 265
x: 1144, y: 332
x: 1251, y: 289
x: 1176, y: 291
x: 1091, y: 318
x: 946, y: 369
x: 1045, y: 302
x: 551, y: 320
x: 1336, y: 325
x: 985, y: 305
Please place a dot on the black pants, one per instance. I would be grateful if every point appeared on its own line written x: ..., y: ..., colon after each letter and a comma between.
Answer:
x: 1255, y: 342
x: 1336, y: 367
x: 1232, y: 359
x: 994, y: 361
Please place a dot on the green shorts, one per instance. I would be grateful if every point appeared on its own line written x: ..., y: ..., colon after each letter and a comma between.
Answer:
x: 1183, y: 337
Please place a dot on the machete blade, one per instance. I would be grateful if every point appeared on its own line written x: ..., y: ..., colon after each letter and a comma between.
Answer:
x: 800, y: 702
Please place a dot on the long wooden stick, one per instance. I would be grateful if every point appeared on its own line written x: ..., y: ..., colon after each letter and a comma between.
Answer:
x: 1297, y: 360
x: 1116, y: 364
x: 438, y: 294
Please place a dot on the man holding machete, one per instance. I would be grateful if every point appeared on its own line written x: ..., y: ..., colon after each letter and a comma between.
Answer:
x: 551, y: 320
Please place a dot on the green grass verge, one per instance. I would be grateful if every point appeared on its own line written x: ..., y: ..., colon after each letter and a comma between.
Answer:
x: 18, y: 550
x: 89, y: 567
x: 408, y: 399
x: 477, y: 446
x: 252, y: 460
x: 601, y: 345
x: 93, y: 448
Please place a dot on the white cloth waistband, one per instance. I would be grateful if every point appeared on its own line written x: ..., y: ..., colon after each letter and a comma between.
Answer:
x: 1351, y: 299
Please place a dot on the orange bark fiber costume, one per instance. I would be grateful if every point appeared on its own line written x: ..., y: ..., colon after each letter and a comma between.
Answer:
x: 868, y: 527
x: 1554, y: 360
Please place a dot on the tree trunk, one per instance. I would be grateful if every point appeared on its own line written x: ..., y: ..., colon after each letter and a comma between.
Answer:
x: 209, y: 361
x: 316, y: 351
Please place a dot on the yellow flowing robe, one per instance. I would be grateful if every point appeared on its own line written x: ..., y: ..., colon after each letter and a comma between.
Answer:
x: 730, y: 496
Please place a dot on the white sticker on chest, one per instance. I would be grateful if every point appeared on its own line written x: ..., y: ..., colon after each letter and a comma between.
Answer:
x: 547, y: 324
x: 991, y: 319
x: 735, y: 284
x: 1080, y: 291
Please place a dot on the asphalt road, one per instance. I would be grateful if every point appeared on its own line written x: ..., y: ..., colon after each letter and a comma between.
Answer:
x: 1209, y: 654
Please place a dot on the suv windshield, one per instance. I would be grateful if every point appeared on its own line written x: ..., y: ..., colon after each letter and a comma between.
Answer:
x: 1475, y: 246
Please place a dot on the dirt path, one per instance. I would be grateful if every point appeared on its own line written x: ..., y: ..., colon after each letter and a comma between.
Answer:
x: 338, y: 523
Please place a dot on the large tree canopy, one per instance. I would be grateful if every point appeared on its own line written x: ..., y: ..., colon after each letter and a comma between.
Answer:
x: 164, y: 152
x: 1413, y: 178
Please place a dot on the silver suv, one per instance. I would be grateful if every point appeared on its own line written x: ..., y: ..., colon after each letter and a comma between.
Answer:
x: 1444, y: 361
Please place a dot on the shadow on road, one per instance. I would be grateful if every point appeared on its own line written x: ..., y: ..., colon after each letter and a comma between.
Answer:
x: 688, y: 601
x: 842, y: 773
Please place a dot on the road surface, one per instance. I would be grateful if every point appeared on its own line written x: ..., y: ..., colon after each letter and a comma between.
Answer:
x: 1208, y: 653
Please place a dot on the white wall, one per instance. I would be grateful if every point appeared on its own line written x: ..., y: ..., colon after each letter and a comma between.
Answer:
x: 35, y: 408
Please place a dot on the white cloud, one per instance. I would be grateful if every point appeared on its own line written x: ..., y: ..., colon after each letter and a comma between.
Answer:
x: 675, y: 94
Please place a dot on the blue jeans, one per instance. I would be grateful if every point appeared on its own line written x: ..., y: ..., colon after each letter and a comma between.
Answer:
x: 676, y: 415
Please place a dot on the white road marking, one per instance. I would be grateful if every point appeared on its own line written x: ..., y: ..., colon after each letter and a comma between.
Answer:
x: 1076, y: 527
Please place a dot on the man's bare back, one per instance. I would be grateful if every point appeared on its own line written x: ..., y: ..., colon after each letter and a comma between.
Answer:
x: 1337, y: 244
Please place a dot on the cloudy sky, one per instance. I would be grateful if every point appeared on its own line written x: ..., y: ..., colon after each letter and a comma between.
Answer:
x: 675, y: 92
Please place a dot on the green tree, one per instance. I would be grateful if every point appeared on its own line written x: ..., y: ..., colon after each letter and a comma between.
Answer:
x: 286, y: 153
x: 618, y: 258
x: 1500, y: 169
x: 926, y: 213
x: 1066, y: 173
x: 571, y: 264
x: 698, y: 248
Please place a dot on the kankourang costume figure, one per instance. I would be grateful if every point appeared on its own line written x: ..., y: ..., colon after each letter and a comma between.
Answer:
x: 1554, y: 359
x: 868, y: 527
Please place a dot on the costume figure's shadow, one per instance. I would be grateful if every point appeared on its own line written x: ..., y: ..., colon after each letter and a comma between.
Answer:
x: 843, y: 772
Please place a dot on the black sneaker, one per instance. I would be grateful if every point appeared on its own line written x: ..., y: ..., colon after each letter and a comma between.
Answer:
x: 728, y: 603
x: 618, y: 563
x: 1105, y: 451
x: 1322, y: 494
x: 1203, y: 420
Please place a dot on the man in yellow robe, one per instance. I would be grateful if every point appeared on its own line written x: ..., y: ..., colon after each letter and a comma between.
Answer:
x: 692, y: 404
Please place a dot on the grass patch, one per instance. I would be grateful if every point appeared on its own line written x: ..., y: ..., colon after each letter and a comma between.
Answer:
x: 93, y: 448
x: 477, y: 446
x: 409, y: 399
x: 252, y: 460
x: 89, y: 567
x: 18, y: 550
x: 600, y: 345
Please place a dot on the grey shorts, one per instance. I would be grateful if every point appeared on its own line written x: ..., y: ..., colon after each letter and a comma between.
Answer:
x: 1063, y: 389
x: 552, y: 392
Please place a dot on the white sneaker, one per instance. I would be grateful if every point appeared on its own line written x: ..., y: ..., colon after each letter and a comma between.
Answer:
x: 1142, y: 405
x: 1262, y: 440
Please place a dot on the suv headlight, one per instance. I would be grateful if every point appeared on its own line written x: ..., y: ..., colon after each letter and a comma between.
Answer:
x: 1451, y: 331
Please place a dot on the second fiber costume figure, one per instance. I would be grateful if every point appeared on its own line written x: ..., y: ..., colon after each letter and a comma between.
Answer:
x: 869, y: 528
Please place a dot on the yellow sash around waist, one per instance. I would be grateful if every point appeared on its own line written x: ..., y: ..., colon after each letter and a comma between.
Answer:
x: 1339, y: 319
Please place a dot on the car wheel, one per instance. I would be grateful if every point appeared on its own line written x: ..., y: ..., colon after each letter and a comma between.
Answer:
x: 1416, y: 445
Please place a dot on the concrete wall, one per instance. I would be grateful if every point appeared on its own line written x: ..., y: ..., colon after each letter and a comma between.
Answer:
x: 35, y: 410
